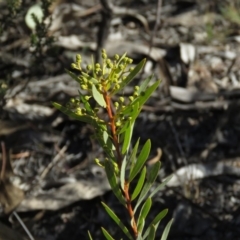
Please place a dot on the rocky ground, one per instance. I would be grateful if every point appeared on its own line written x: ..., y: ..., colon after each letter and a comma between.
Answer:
x: 192, y: 119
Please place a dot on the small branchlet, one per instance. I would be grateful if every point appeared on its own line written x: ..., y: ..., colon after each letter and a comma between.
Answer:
x: 101, y: 82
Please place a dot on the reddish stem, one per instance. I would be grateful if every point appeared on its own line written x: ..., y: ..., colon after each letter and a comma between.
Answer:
x: 119, y: 160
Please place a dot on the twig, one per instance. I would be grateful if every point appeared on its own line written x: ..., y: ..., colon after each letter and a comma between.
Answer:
x: 23, y: 225
x: 157, y: 23
x: 104, y: 26
x: 4, y: 161
x: 53, y: 162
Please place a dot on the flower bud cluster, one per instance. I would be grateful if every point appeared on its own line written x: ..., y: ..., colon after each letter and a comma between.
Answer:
x: 107, y: 78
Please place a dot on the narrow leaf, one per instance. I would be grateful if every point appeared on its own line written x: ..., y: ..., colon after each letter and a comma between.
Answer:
x: 112, y: 179
x: 89, y: 235
x: 132, y: 159
x: 143, y: 214
x: 145, y: 95
x: 105, y: 136
x: 107, y: 234
x: 166, y: 230
x: 116, y: 219
x: 90, y: 78
x: 120, y: 60
x: 122, y: 172
x: 139, y: 185
x: 127, y: 138
x: 161, y: 186
x: 73, y: 76
x: 149, y: 181
x: 155, y: 222
x: 144, y: 85
x: 83, y: 118
x: 154, y: 170
x: 86, y: 104
x: 142, y: 158
x: 152, y: 232
x: 98, y: 96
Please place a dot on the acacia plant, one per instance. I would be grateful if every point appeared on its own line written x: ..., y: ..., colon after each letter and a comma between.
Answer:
x: 124, y: 166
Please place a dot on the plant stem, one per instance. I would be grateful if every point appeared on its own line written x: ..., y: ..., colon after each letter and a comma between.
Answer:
x: 119, y: 161
x: 113, y: 127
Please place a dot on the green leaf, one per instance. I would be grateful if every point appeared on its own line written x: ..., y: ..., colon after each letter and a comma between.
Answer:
x: 152, y: 175
x: 83, y: 118
x: 143, y: 214
x: 106, y: 234
x: 155, y: 222
x: 105, y: 136
x: 132, y: 159
x: 73, y: 76
x: 122, y: 172
x: 144, y: 85
x: 140, y: 226
x: 86, y: 104
x: 90, y: 78
x: 116, y: 219
x: 130, y: 76
x: 161, y: 186
x: 142, y: 158
x: 166, y: 230
x: 139, y: 184
x: 110, y: 172
x: 89, y: 235
x: 127, y: 138
x: 145, y: 95
x: 152, y: 232
x: 98, y: 96
x: 120, y: 60
x: 153, y: 171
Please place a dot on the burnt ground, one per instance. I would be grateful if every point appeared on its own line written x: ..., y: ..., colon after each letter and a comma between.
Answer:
x: 192, y: 46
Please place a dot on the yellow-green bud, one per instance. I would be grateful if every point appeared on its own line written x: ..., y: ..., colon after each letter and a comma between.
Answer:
x: 129, y: 61
x: 97, y: 65
x: 124, y: 78
x: 135, y: 94
x: 131, y: 69
x: 116, y: 104
x: 131, y: 98
x: 78, y: 58
x: 104, y: 56
x: 116, y: 56
x: 117, y: 86
x: 84, y: 87
x: 97, y: 161
x: 89, y: 67
x: 121, y: 66
x: 118, y: 124
x: 72, y: 100
x: 109, y: 65
x: 136, y: 88
x: 84, y: 80
x: 87, y: 97
x: 121, y: 99
x: 78, y: 111
x: 74, y: 66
